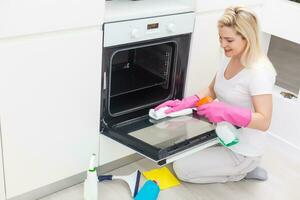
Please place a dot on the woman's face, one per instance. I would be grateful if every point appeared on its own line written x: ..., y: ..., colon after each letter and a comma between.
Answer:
x: 232, y: 43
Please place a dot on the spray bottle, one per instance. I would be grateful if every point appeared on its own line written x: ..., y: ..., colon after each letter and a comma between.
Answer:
x: 91, y: 181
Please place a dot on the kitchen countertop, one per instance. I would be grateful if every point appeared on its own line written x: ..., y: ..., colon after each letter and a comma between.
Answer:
x: 203, y: 6
x: 119, y: 10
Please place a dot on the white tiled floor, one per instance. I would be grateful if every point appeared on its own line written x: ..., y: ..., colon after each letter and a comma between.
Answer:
x: 281, y: 162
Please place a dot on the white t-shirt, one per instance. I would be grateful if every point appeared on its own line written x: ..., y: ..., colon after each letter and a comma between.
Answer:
x: 238, y: 91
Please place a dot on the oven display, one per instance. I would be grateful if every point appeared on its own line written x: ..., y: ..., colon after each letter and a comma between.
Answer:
x: 152, y: 26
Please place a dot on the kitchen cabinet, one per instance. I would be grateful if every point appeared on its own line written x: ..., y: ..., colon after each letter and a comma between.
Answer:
x: 286, y: 127
x: 204, y: 52
x: 280, y: 19
x: 50, y: 101
x: 111, y: 150
x: 2, y: 188
x: 285, y: 58
x: 35, y: 16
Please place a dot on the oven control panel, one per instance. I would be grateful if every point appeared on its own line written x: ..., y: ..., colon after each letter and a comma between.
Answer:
x: 130, y: 31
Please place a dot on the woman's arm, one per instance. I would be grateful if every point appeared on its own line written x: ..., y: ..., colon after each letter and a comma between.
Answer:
x: 209, y: 91
x: 262, y: 115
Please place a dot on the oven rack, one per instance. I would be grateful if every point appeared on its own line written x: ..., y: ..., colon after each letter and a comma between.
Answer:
x: 132, y: 78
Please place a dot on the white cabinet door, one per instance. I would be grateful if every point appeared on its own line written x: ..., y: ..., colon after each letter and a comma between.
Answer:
x: 34, y: 16
x: 280, y: 18
x: 204, y: 53
x: 111, y: 150
x: 2, y: 188
x: 50, y: 94
x: 285, y: 127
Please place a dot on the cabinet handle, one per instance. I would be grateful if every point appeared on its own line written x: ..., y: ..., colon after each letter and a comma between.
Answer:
x: 288, y: 95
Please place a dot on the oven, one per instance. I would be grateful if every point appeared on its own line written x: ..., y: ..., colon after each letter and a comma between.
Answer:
x: 144, y: 64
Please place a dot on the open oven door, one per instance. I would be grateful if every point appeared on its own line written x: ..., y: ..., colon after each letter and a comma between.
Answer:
x: 166, y: 140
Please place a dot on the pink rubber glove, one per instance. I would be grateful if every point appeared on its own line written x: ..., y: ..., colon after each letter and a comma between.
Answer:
x: 177, y: 105
x: 217, y: 112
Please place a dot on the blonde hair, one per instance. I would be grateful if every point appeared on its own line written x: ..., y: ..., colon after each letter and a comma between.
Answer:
x: 245, y: 23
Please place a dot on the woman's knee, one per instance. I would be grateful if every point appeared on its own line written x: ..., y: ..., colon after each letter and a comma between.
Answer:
x: 180, y: 170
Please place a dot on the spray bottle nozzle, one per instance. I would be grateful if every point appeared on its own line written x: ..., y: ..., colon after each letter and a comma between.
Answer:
x: 92, y: 163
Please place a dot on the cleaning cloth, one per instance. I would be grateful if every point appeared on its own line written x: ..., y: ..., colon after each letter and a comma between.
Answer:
x: 227, y: 134
x: 160, y: 113
x: 163, y: 177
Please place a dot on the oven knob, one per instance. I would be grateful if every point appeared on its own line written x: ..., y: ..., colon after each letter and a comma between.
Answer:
x: 171, y: 28
x: 135, y: 33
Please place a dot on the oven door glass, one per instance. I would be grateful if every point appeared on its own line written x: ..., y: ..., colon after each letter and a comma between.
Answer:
x: 161, y: 139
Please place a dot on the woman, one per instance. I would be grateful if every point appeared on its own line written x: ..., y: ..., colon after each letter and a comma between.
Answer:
x: 243, y: 89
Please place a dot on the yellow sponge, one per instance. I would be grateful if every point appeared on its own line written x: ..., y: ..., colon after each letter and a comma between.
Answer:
x: 163, y: 177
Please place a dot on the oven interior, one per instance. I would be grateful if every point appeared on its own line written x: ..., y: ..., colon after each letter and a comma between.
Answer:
x: 140, y: 77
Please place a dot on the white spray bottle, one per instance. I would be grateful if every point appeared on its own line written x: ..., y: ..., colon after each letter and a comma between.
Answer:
x: 91, y: 181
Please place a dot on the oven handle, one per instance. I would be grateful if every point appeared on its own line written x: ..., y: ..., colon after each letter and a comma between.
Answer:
x: 189, y: 151
x: 182, y: 154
